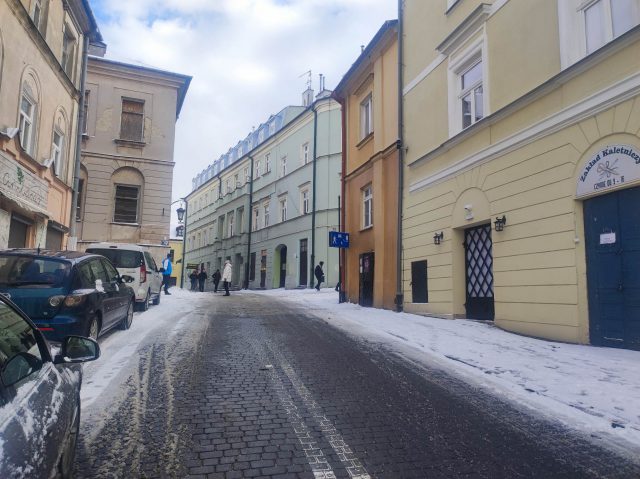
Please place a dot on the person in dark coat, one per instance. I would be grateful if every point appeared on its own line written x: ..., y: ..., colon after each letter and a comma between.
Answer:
x: 319, y: 275
x: 194, y: 278
x: 216, y: 280
x: 202, y: 277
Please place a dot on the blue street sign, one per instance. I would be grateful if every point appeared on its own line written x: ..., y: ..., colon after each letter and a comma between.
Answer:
x: 338, y: 239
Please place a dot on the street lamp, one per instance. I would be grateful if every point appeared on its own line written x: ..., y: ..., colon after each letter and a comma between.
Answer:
x: 180, y: 211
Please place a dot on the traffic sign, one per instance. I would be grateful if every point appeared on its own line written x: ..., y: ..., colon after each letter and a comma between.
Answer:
x: 338, y: 239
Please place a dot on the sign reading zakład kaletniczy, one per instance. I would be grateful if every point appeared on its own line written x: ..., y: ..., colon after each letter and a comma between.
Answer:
x: 611, y: 167
x: 22, y: 186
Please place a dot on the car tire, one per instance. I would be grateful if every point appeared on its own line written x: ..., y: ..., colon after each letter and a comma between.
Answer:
x: 144, y: 305
x: 156, y: 301
x: 128, y: 319
x: 93, y: 328
x: 66, y: 463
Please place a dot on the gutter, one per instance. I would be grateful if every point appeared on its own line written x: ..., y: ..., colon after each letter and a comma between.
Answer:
x: 313, y: 200
x: 343, y: 179
x: 400, y: 145
x: 250, y: 217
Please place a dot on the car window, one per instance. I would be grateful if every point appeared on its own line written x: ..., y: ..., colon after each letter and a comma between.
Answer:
x: 20, y: 354
x: 27, y: 271
x: 150, y: 261
x: 97, y: 270
x: 84, y: 277
x: 120, y: 258
x: 112, y: 273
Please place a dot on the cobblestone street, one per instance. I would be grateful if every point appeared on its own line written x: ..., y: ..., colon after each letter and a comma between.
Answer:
x: 254, y: 388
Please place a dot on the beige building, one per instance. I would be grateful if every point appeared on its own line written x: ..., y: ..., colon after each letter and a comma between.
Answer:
x: 41, y: 60
x: 127, y: 153
x: 522, y: 136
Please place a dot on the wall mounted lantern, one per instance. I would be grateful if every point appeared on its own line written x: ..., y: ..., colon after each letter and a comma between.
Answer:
x: 500, y: 222
x: 180, y: 212
x: 437, y: 238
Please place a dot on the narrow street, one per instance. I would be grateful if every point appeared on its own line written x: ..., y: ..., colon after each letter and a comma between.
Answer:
x: 250, y: 386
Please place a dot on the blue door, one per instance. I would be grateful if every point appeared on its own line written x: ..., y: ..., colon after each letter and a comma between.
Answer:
x: 612, y: 231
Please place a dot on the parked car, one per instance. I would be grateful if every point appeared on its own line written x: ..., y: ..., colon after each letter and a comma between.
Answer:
x: 67, y: 292
x: 39, y: 397
x: 137, y: 262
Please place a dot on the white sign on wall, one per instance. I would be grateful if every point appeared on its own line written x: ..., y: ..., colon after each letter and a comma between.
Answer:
x: 610, y: 167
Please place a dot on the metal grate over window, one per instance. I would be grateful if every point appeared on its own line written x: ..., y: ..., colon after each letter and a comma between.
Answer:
x: 126, y: 204
x: 479, y: 262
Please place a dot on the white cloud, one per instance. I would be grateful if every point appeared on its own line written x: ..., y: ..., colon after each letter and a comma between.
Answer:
x: 245, y: 56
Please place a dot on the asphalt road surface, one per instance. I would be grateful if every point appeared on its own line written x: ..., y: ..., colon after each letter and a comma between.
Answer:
x: 250, y: 387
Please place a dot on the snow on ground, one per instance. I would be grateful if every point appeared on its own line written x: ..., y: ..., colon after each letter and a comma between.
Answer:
x: 596, y: 390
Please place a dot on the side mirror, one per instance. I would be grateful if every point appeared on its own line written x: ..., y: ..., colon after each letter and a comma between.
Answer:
x: 125, y: 278
x: 77, y: 349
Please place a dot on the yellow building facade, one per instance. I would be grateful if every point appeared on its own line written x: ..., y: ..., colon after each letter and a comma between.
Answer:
x: 522, y: 169
x: 368, y: 94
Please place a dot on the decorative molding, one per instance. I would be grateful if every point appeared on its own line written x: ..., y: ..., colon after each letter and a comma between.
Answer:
x: 469, y: 25
x: 590, y: 106
x: 424, y: 73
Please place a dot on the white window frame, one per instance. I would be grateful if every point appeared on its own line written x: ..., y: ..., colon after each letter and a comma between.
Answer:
x: 367, y: 207
x: 304, y: 200
x: 230, y: 225
x: 57, y: 151
x: 256, y: 172
x: 305, y: 153
x: 255, y: 223
x: 283, y: 209
x: 246, y: 178
x: 470, y: 90
x: 69, y: 42
x: 27, y: 135
x: 283, y: 166
x: 366, y: 116
x: 230, y: 187
x: 267, y: 163
x: 265, y: 216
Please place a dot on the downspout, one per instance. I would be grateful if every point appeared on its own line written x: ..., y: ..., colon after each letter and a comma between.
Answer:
x: 250, y: 216
x: 313, y: 200
x: 184, y: 240
x: 343, y: 267
x: 73, y: 240
x: 400, y: 145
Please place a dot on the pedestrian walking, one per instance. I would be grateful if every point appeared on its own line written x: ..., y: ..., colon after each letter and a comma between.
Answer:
x: 202, y: 277
x: 167, y: 269
x: 226, y: 276
x: 319, y: 274
x: 194, y: 279
x: 216, y: 280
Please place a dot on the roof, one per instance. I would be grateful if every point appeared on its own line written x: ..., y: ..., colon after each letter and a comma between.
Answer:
x: 384, y: 29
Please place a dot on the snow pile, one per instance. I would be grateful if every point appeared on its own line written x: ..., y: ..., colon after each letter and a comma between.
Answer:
x: 593, y: 389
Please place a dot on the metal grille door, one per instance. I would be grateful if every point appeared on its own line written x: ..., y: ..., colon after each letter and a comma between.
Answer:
x: 479, y: 272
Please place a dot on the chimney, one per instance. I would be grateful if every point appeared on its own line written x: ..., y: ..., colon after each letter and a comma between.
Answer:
x: 307, y: 97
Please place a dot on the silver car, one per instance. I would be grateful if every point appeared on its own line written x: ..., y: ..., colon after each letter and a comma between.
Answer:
x: 39, y: 397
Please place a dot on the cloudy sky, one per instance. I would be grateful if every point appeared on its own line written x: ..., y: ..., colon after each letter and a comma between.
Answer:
x: 247, y: 58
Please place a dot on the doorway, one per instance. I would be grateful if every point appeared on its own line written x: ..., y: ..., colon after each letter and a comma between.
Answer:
x: 263, y: 268
x: 367, y: 264
x: 18, y: 230
x: 612, y: 238
x: 282, y: 249
x: 419, y: 291
x: 479, y: 272
x: 304, y: 248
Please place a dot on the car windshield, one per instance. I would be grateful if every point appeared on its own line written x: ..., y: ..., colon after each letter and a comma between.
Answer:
x: 27, y: 271
x: 120, y: 258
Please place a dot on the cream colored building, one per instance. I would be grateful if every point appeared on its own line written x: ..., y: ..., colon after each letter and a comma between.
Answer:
x: 528, y: 112
x: 127, y: 153
x: 41, y: 59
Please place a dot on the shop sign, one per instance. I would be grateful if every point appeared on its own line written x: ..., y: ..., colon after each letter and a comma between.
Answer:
x: 22, y: 186
x: 611, y: 167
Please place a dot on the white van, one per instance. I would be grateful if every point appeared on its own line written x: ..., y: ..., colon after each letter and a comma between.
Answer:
x: 137, y: 262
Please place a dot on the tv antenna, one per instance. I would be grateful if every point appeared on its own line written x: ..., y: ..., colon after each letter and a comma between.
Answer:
x: 308, y: 75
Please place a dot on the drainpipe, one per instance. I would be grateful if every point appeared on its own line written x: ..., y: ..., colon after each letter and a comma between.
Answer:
x: 79, y: 132
x: 313, y: 199
x: 250, y: 216
x: 400, y: 145
x: 184, y: 240
x: 343, y: 267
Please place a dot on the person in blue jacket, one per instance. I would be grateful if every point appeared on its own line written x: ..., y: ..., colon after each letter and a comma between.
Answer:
x: 166, y: 274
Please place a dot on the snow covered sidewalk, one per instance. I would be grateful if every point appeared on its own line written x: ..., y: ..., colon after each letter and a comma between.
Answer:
x: 596, y: 390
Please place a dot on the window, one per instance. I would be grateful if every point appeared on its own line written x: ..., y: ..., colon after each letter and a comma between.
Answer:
x: 27, y: 114
x: 257, y: 169
x: 85, y: 113
x: 39, y: 15
x: 246, y: 175
x: 266, y: 214
x: 267, y: 163
x: 367, y: 207
x: 471, y: 98
x: 272, y: 128
x: 229, y: 186
x: 132, y: 120
x: 304, y: 200
x: 305, y: 153
x: 20, y: 354
x: 68, y: 51
x: 366, y: 117
x: 241, y: 220
x: 283, y: 166
x: 256, y: 219
x: 57, y: 152
x: 283, y: 209
x: 236, y: 180
x: 126, y: 204
x: 230, y: 229
x: 605, y: 20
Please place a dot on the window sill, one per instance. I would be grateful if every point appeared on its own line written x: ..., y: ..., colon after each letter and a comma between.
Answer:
x: 366, y: 228
x: 130, y: 143
x: 125, y: 224
x: 365, y: 140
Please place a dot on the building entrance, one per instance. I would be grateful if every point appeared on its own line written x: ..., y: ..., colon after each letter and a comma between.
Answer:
x: 479, y: 272
x: 18, y: 233
x: 367, y: 263
x: 612, y: 238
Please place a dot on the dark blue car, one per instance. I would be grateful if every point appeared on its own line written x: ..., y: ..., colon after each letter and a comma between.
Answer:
x: 66, y: 292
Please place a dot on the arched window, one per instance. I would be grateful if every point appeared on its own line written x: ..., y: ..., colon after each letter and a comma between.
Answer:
x: 28, y: 113
x: 128, y: 184
x: 59, y: 145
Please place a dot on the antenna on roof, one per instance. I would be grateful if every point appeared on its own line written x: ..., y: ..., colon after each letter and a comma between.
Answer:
x: 308, y: 74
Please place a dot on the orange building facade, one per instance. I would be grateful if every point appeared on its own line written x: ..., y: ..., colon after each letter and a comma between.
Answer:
x: 368, y: 94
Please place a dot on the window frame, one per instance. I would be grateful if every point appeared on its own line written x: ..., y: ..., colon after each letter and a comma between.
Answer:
x: 367, y: 212
x: 57, y: 152
x: 283, y: 209
x: 305, y: 153
x: 266, y: 216
x: 255, y: 220
x: 283, y: 166
x: 115, y: 203
x: 267, y: 163
x: 465, y: 91
x: 27, y: 140
x: 304, y: 200
x: 140, y: 117
x: 366, y: 116
x: 69, y: 43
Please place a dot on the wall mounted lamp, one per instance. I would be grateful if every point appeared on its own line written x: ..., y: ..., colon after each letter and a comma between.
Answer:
x: 180, y: 212
x: 500, y: 222
x: 437, y: 238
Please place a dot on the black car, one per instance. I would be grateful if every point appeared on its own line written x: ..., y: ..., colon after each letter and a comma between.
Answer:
x: 67, y: 292
x: 39, y: 397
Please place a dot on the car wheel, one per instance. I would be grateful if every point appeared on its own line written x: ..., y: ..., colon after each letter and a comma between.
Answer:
x: 93, y: 329
x: 144, y: 305
x: 128, y: 319
x: 156, y: 301
x: 65, y: 466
